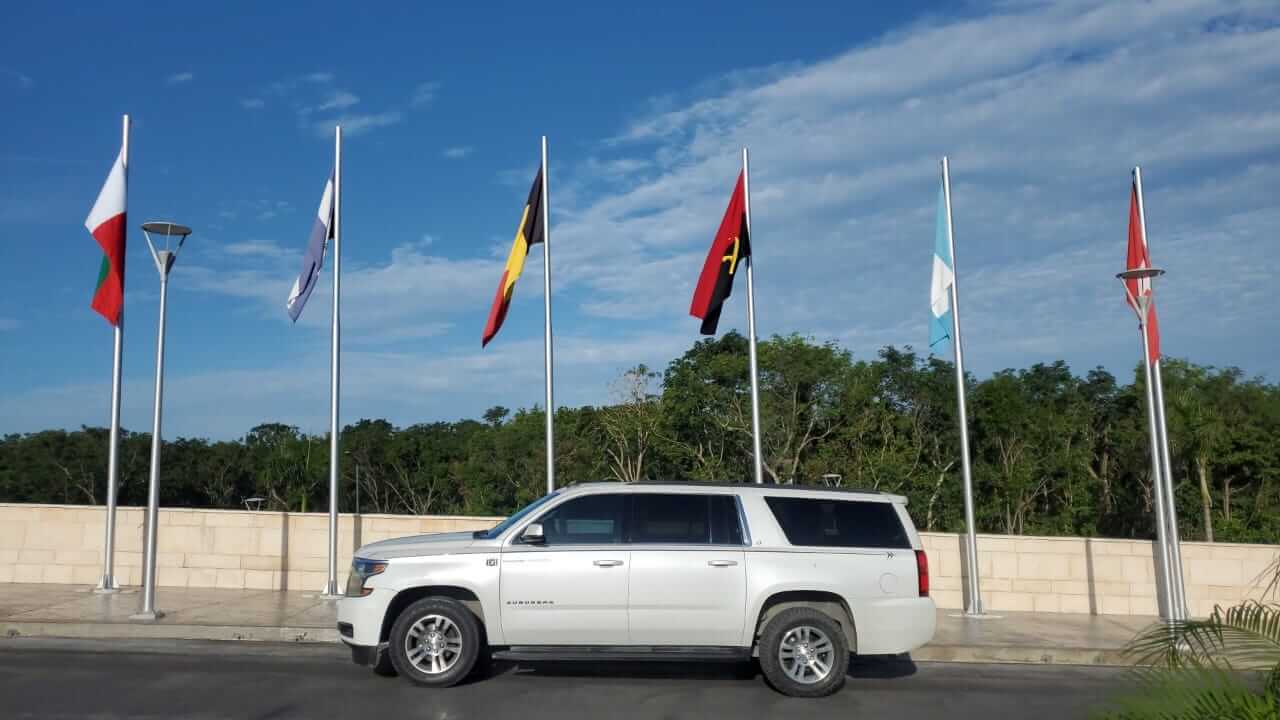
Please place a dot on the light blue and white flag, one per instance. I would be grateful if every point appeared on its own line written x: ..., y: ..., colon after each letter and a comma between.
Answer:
x: 943, y: 277
x: 313, y: 260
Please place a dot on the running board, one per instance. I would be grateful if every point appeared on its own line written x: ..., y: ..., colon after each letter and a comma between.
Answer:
x: 630, y: 653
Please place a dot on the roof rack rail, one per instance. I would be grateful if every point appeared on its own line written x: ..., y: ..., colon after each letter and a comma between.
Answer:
x: 745, y: 484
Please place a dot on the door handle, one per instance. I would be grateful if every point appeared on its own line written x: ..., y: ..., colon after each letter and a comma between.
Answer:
x: 722, y: 563
x: 607, y: 563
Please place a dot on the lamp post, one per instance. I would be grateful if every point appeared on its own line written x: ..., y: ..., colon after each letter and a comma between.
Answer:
x: 164, y: 259
x: 1166, y: 517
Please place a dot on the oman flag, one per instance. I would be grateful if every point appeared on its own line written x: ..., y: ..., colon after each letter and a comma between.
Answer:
x: 106, y: 222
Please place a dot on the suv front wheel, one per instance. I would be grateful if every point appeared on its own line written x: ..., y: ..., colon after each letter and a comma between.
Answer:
x: 803, y: 653
x: 435, y: 642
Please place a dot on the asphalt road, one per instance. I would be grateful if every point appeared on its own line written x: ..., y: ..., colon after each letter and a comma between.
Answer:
x: 164, y: 679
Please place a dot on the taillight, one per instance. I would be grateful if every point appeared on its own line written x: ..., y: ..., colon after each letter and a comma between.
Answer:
x: 922, y: 572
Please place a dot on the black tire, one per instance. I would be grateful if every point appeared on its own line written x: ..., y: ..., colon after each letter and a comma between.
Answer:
x: 834, y: 658
x: 383, y: 665
x: 411, y: 654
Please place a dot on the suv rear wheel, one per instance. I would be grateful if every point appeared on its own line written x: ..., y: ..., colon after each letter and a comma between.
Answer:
x: 435, y: 642
x: 803, y: 653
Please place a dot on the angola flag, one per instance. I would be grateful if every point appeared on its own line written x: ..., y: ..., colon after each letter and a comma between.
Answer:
x: 730, y: 247
x: 527, y: 234
x: 106, y: 222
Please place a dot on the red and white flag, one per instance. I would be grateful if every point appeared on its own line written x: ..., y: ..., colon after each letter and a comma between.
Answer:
x: 1139, y: 259
x: 106, y: 222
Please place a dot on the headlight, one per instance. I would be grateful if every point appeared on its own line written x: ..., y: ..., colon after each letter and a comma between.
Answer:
x: 361, y: 570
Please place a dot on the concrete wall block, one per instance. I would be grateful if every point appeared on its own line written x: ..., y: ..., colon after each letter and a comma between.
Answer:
x: 309, y: 543
x: 12, y: 534
x: 73, y: 557
x: 202, y: 577
x: 1111, y: 588
x: 1144, y: 605
x: 36, y: 557
x: 1074, y: 604
x: 54, y: 536
x: 230, y: 579
x: 311, y: 563
x: 1196, y: 551
x: 1043, y: 566
x: 128, y: 559
x: 948, y: 599
x: 990, y: 543
x: 180, y: 517
x: 1070, y: 587
x: 1113, y: 605
x: 23, y: 573
x: 172, y: 576
x: 1012, y: 602
x: 1032, y: 586
x: 170, y: 559
x: 259, y: 579
x: 307, y: 581
x: 57, y: 574
x: 216, y: 561
x: 242, y: 540
x: 1138, y: 569
x: 997, y: 584
x: 1046, y: 603
x: 1004, y: 564
x: 1234, y: 551
x: 227, y: 518
x: 185, y: 539
x: 9, y: 557
x: 260, y: 562
x: 1108, y: 567
x: 6, y: 574
x: 1213, y: 572
x: 87, y: 574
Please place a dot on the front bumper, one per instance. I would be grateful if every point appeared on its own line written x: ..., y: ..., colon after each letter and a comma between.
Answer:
x: 363, y: 654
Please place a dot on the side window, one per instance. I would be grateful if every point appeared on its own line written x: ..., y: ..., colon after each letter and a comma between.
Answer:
x: 590, y: 520
x: 677, y: 519
x: 684, y: 519
x: 839, y: 523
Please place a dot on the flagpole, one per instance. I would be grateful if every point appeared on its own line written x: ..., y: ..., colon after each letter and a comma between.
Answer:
x: 1173, y: 547
x: 546, y: 330
x: 972, y: 584
x: 108, y: 582
x: 757, y: 454
x: 335, y: 367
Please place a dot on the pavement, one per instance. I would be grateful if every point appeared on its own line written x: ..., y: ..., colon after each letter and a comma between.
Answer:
x: 75, y: 611
x: 102, y: 679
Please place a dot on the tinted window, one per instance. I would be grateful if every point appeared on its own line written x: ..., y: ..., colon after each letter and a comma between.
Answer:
x: 839, y: 523
x: 685, y: 519
x: 591, y: 520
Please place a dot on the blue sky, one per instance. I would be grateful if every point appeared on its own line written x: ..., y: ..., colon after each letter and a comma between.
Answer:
x: 1043, y: 109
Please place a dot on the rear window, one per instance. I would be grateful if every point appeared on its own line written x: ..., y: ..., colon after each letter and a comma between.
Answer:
x: 839, y: 523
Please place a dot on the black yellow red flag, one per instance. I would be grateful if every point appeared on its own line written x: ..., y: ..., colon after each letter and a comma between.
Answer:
x: 729, y: 248
x: 529, y: 233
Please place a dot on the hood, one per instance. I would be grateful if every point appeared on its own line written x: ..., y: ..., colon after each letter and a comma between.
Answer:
x: 432, y: 544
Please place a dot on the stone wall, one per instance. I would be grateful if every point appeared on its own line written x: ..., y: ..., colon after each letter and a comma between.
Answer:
x: 273, y: 550
x: 197, y: 548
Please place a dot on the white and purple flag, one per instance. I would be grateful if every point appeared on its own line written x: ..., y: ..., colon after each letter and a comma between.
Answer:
x: 321, y: 232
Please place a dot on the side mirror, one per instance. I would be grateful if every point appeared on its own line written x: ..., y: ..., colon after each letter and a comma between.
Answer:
x: 533, y: 535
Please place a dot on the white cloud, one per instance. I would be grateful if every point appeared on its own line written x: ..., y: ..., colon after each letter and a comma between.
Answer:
x: 21, y: 80
x: 424, y: 93
x: 252, y: 103
x: 457, y: 152
x: 181, y: 78
x: 264, y: 248
x: 319, y: 78
x: 337, y: 101
x: 358, y: 124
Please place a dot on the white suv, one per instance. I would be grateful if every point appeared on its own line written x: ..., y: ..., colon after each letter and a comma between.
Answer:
x: 798, y: 577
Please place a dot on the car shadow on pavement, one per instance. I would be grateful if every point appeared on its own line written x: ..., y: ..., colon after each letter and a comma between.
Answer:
x: 877, y: 667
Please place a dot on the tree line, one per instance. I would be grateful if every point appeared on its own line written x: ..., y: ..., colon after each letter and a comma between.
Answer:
x: 1053, y: 453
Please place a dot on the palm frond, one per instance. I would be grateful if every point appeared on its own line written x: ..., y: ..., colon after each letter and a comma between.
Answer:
x: 1243, y: 637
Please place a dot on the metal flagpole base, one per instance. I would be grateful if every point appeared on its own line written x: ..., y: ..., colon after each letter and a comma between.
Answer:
x: 976, y: 616
x: 106, y: 587
x: 147, y: 616
x: 331, y: 591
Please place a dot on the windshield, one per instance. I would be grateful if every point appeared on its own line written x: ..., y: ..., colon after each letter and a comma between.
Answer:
x: 501, y: 527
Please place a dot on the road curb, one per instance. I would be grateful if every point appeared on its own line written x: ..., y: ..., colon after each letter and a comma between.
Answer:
x: 1022, y: 655
x: 162, y: 631
x: 286, y: 634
